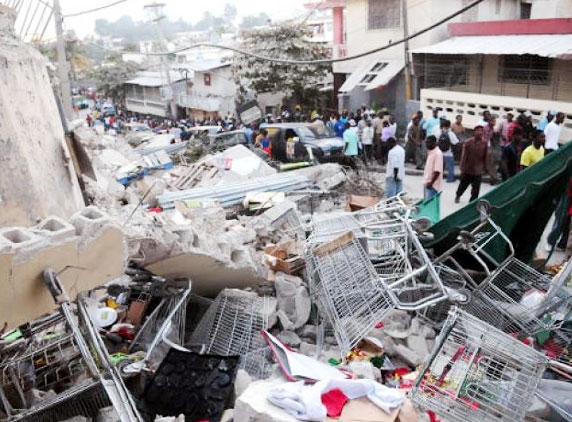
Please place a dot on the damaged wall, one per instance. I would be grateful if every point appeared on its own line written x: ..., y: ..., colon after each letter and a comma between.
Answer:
x: 37, y: 178
x: 88, y: 251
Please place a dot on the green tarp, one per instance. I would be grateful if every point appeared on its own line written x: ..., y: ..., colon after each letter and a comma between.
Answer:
x: 521, y: 206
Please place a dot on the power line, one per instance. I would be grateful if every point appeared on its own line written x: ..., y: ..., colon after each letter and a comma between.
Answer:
x: 94, y: 10
x: 324, y: 61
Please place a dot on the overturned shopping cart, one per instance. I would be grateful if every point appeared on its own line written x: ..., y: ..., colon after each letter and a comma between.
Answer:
x: 58, y: 369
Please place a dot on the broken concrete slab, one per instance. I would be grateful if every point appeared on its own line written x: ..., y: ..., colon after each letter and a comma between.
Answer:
x: 293, y: 299
x: 289, y: 338
x: 252, y: 405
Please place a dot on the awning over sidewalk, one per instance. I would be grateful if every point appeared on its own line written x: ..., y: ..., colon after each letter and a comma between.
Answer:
x: 373, y: 74
x: 558, y: 46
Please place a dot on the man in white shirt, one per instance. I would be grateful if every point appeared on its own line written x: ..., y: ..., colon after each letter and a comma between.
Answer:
x: 447, y: 147
x: 552, y: 133
x: 367, y: 141
x: 395, y: 170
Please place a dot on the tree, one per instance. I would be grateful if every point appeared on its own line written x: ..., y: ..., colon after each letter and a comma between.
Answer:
x: 112, y: 75
x: 284, y: 41
x: 249, y: 22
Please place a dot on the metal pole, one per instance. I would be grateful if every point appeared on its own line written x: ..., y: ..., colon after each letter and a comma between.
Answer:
x: 158, y: 7
x: 406, y: 51
x: 65, y: 89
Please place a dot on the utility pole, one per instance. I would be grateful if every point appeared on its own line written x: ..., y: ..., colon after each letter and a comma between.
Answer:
x: 157, y: 8
x: 408, y: 94
x: 63, y: 66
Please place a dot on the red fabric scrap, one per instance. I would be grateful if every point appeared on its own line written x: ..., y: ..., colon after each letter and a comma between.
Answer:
x: 433, y: 416
x: 334, y: 400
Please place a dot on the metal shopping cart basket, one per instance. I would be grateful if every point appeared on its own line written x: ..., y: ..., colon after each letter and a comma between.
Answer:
x: 477, y: 373
x: 60, y: 357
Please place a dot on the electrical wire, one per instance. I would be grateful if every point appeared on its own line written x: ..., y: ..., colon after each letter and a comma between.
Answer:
x: 85, y: 12
x: 324, y: 61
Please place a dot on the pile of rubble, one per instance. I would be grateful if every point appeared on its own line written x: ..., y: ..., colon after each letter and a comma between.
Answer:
x: 224, y: 290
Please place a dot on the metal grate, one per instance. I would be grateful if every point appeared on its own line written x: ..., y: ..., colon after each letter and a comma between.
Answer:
x: 477, y: 373
x: 232, y: 324
x: 343, y: 283
x: 501, y: 299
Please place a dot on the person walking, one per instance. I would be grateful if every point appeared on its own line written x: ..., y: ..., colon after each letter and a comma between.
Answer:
x: 552, y: 132
x: 351, y: 140
x: 367, y: 141
x: 446, y: 140
x: 473, y: 164
x: 433, y: 171
x: 414, y: 143
x: 395, y: 170
x: 534, y: 153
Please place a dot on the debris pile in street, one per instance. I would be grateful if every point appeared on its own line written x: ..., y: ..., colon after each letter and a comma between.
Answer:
x: 224, y: 289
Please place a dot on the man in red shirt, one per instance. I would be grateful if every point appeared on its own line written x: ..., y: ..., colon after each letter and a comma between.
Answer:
x: 473, y: 164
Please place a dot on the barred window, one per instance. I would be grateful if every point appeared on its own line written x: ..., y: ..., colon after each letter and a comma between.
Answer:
x: 525, y: 69
x: 383, y: 14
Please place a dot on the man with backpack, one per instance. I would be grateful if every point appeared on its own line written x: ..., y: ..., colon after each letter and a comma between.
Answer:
x: 446, y: 140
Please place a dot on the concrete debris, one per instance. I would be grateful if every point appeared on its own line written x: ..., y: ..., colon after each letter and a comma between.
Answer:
x: 289, y: 338
x: 293, y: 300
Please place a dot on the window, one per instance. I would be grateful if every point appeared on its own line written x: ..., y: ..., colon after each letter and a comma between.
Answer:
x: 526, y: 69
x: 383, y: 14
x: 525, y: 10
x: 373, y: 72
x: 207, y: 79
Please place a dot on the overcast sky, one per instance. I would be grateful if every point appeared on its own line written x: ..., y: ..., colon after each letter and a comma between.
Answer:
x: 190, y: 10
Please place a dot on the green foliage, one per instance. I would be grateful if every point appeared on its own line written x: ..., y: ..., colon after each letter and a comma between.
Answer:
x: 284, y: 41
x: 111, y: 76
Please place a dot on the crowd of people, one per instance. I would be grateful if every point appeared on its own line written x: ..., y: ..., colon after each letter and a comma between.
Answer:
x: 498, y: 148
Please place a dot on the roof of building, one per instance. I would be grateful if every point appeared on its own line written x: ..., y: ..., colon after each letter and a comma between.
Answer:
x: 153, y: 79
x: 557, y: 46
x: 373, y: 74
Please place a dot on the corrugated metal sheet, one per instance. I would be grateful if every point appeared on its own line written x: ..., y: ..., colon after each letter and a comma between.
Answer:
x: 381, y: 77
x: 555, y: 46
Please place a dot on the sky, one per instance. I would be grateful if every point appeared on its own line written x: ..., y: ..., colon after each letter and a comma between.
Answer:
x: 189, y: 10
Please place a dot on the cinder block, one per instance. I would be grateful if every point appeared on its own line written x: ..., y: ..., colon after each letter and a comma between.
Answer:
x: 55, y: 228
x: 19, y: 237
x: 89, y: 220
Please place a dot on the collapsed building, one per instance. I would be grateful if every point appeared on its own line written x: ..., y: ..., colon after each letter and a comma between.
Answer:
x: 214, y: 287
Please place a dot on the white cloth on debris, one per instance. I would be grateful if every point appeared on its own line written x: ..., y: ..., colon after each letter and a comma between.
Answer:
x: 304, y: 401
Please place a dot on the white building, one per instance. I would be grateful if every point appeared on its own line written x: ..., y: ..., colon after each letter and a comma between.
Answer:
x: 150, y: 93
x: 212, y: 91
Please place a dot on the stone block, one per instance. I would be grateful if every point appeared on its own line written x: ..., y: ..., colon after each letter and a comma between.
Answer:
x: 252, y: 405
x: 19, y: 238
x: 289, y: 338
x: 89, y: 220
x: 55, y: 228
x: 410, y: 356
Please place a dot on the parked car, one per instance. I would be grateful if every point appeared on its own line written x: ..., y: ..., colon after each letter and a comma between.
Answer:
x: 322, y: 141
x: 80, y: 103
x: 224, y: 140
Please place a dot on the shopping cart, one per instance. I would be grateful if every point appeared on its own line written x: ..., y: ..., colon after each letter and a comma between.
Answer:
x: 477, y: 373
x: 61, y: 357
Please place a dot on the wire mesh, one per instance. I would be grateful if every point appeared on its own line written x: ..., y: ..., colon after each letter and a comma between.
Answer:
x: 232, y: 324
x: 344, y: 284
x: 172, y: 311
x: 258, y: 363
x: 518, y: 299
x: 388, y: 248
x: 477, y: 373
x: 84, y: 400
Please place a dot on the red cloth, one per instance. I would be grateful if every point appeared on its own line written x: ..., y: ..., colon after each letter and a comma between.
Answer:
x: 334, y: 400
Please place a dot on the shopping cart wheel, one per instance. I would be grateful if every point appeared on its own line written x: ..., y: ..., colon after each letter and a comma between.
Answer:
x: 466, y: 237
x: 52, y: 283
x: 484, y: 207
x: 422, y: 224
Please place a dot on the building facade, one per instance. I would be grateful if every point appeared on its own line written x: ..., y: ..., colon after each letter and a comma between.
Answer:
x: 150, y: 93
x: 511, y: 66
x: 386, y: 77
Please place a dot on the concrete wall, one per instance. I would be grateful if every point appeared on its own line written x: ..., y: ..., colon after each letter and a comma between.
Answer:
x: 37, y: 178
x: 471, y: 107
x: 222, y: 88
